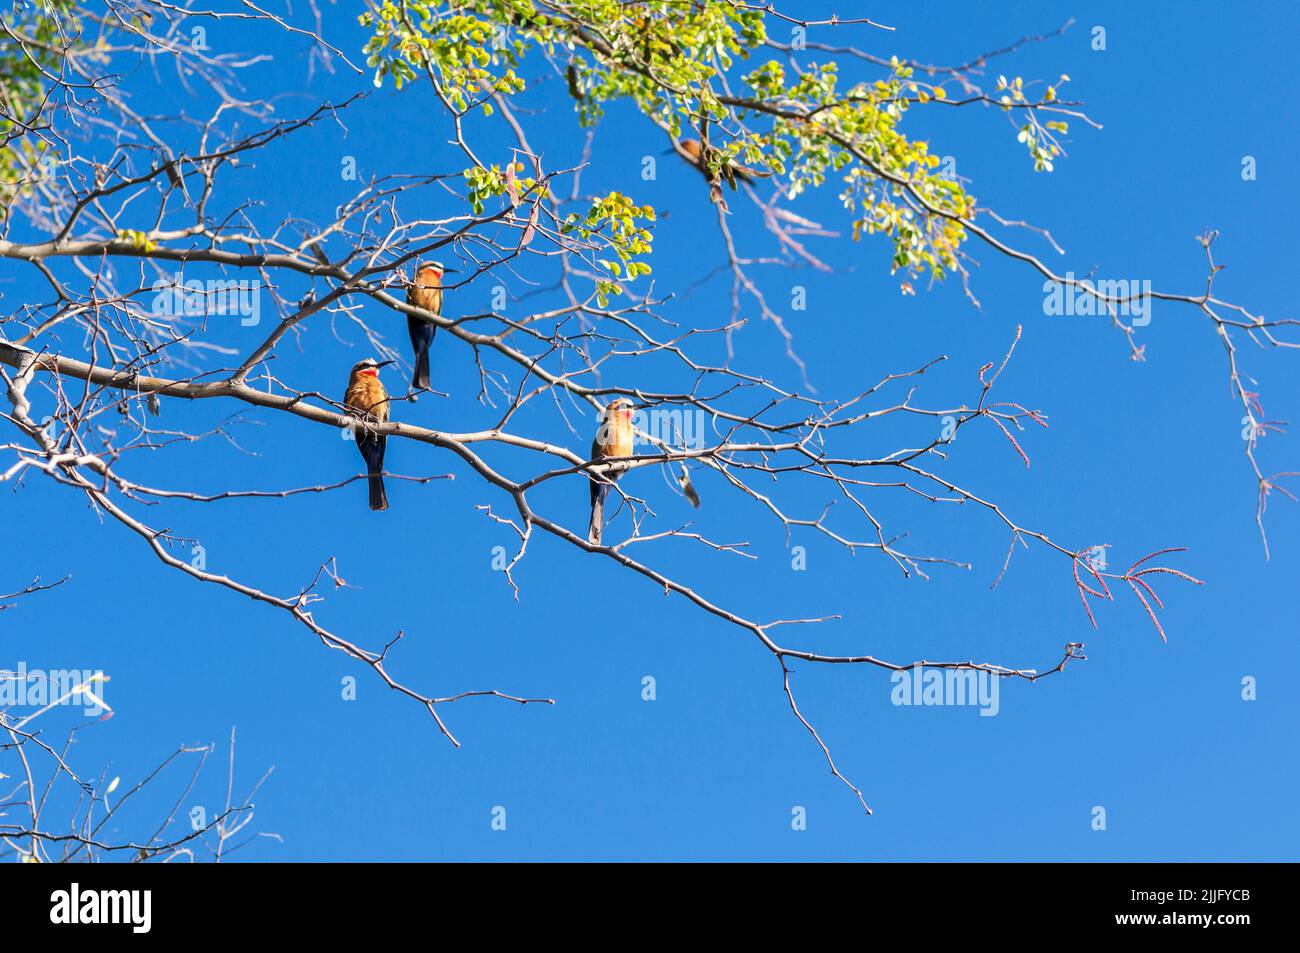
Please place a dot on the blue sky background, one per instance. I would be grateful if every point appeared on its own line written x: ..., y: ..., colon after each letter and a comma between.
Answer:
x: 1140, y: 456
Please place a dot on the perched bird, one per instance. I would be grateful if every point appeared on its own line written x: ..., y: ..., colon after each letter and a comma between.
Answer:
x: 367, y: 400
x: 693, y: 152
x: 688, y: 488
x: 425, y: 292
x: 319, y: 254
x: 613, y: 439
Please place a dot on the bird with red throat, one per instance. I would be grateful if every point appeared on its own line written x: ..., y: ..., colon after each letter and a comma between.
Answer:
x: 367, y: 401
x: 425, y: 292
x: 614, y: 438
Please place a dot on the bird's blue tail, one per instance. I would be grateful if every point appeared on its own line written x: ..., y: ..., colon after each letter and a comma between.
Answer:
x: 599, y: 490
x: 421, y: 379
x: 421, y: 339
x: 378, y: 496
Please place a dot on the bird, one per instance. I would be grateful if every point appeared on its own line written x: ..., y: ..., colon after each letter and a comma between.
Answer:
x: 367, y: 400
x: 425, y: 292
x: 688, y: 488
x: 613, y: 439
x: 695, y: 154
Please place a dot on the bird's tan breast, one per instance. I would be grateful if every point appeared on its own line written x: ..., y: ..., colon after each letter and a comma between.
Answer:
x: 615, y: 438
x: 366, y: 396
x: 425, y: 296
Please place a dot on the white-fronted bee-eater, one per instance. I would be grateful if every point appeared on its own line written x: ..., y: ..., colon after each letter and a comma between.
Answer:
x: 614, y: 438
x: 425, y: 292
x: 367, y: 401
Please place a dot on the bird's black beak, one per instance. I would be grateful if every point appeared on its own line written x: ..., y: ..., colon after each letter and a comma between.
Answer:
x: 384, y: 363
x: 451, y: 271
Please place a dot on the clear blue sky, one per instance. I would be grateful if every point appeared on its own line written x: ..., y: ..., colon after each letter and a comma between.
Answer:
x: 1140, y: 456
